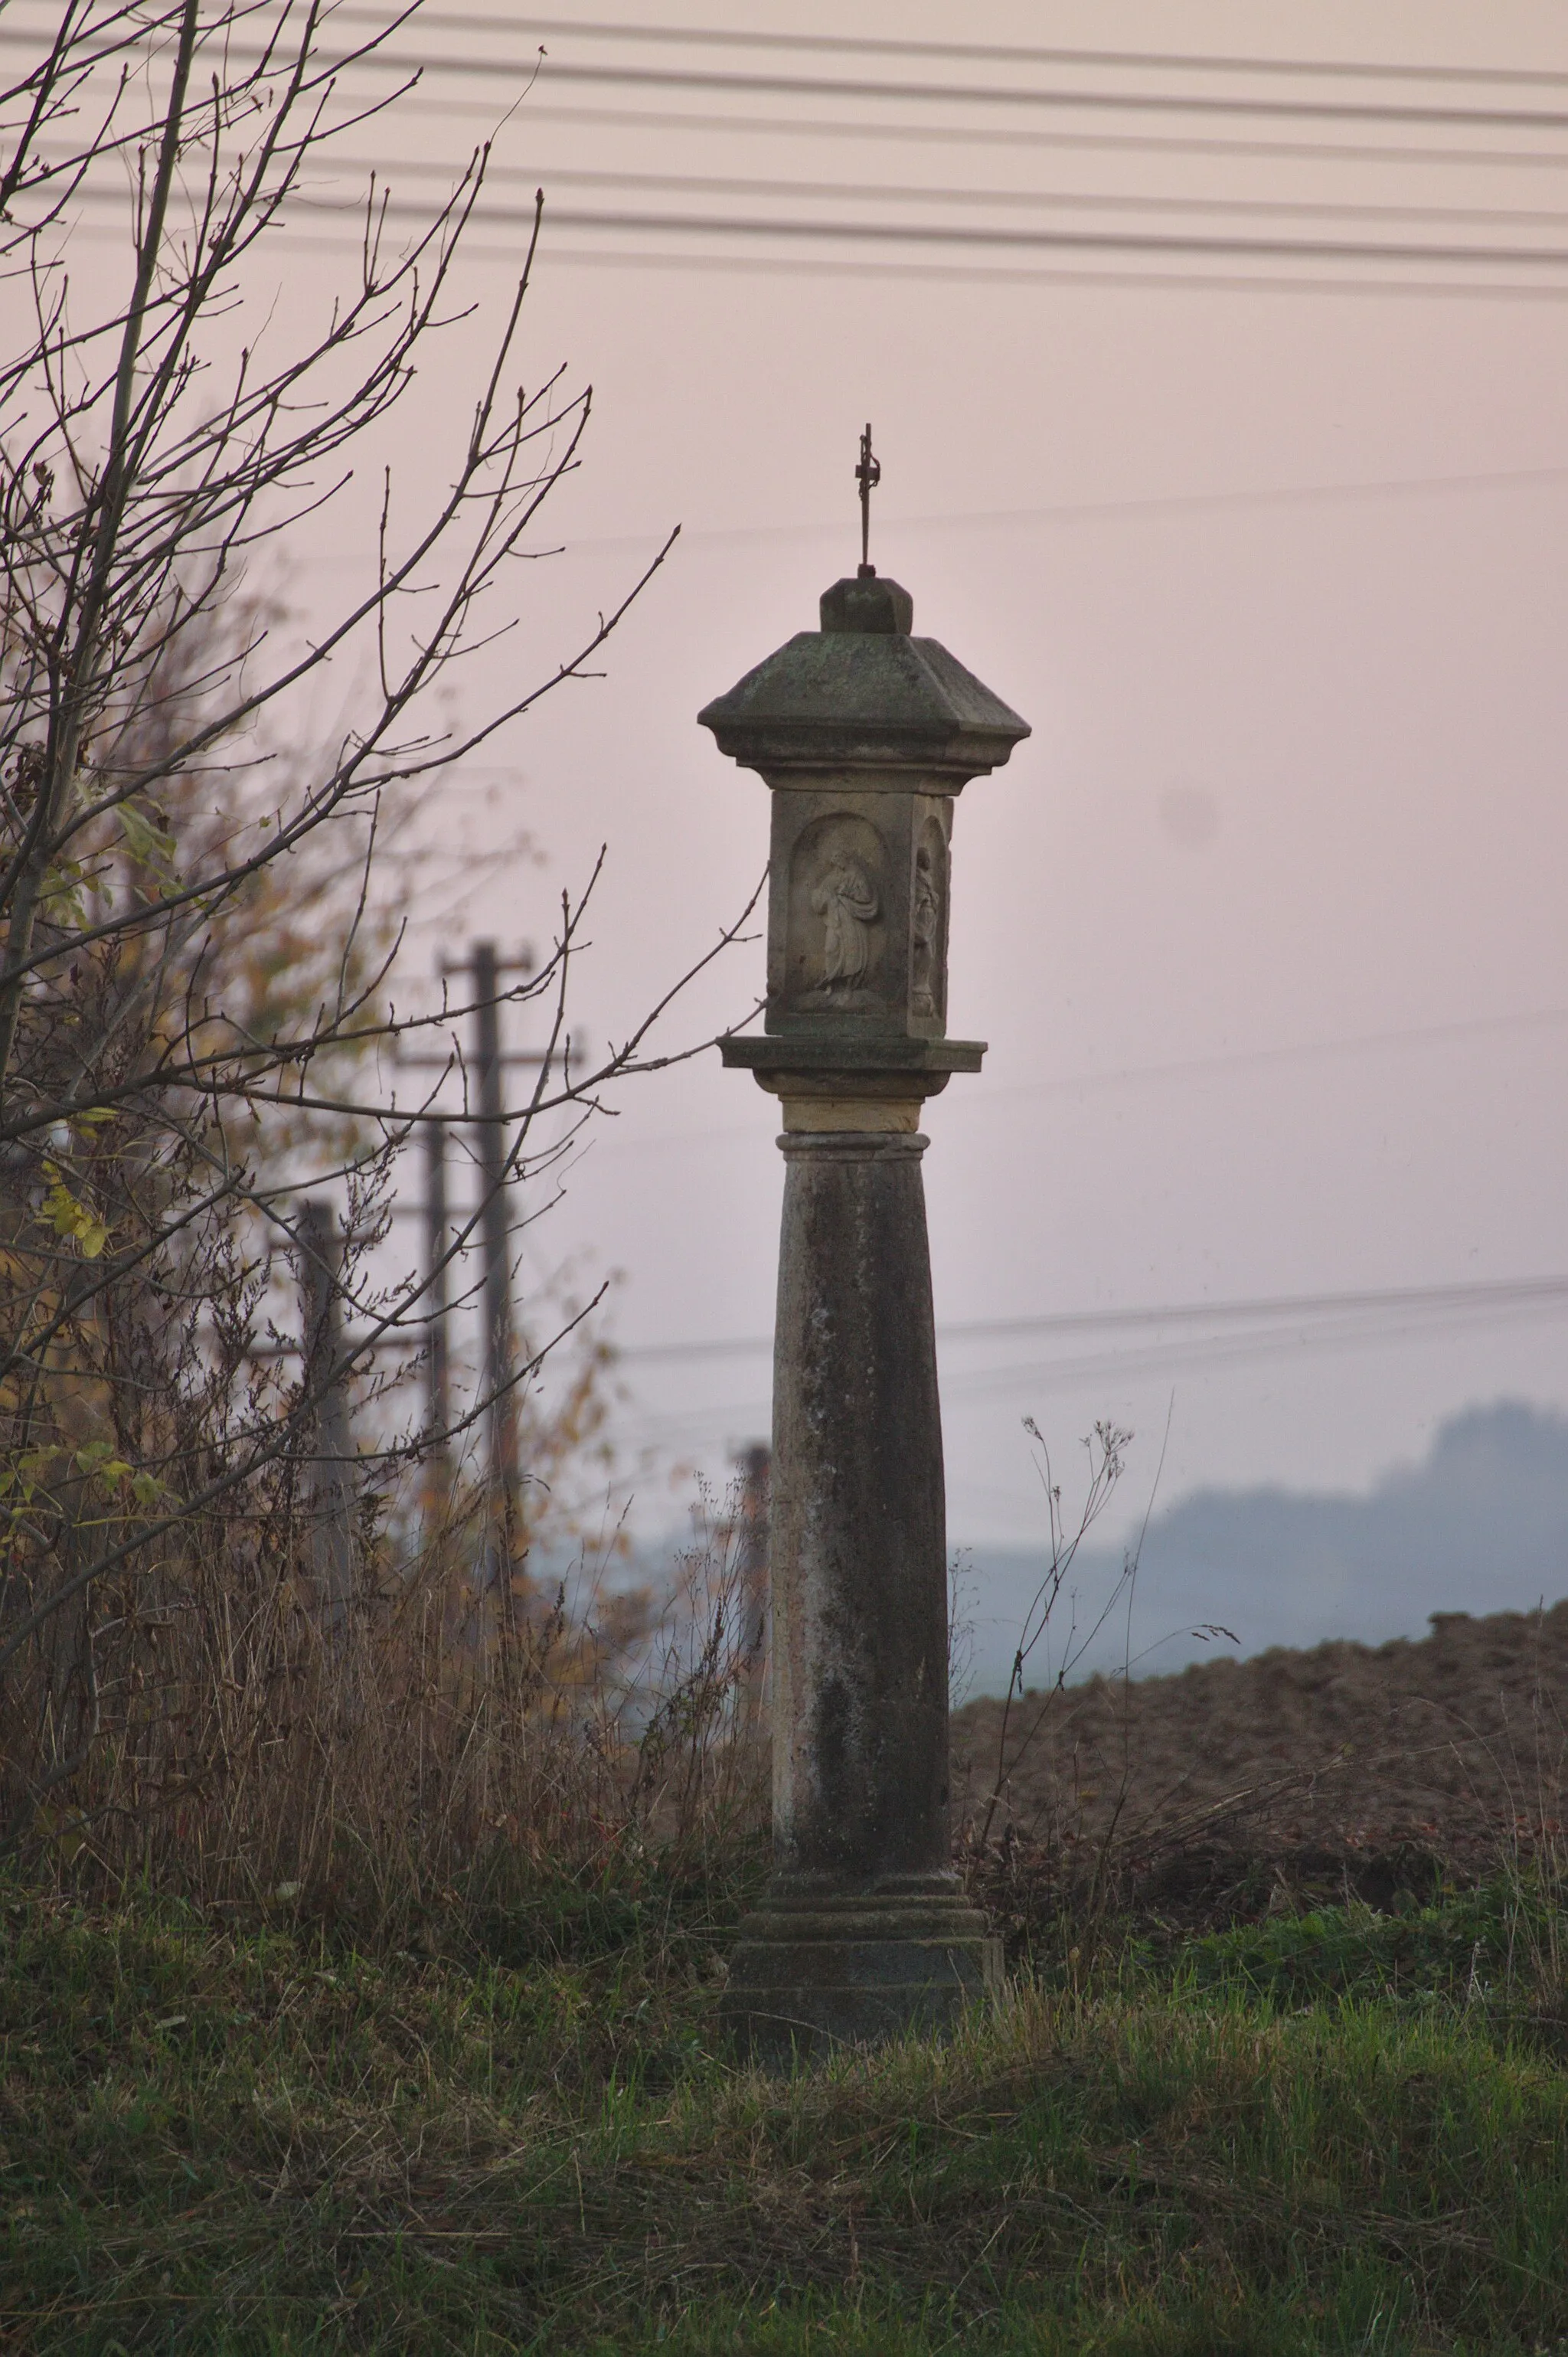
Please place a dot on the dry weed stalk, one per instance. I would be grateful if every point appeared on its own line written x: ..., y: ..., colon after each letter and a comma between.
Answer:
x: 435, y: 1757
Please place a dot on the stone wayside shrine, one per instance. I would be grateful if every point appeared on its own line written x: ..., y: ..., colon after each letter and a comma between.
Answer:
x: 866, y: 735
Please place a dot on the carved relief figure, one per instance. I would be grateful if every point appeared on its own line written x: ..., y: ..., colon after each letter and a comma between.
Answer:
x: 927, y: 947
x: 847, y: 901
x: 833, y: 955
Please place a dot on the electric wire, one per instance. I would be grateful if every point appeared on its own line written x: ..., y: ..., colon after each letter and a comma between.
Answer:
x: 989, y: 135
x: 1253, y: 1059
x: 1175, y: 505
x: 817, y: 88
x: 980, y: 1100
x: 1000, y: 53
x: 1007, y: 239
x: 1491, y: 1298
x: 861, y: 90
x: 904, y: 192
x: 437, y: 22
x: 1222, y: 1351
x: 976, y: 238
x: 822, y: 267
x: 1197, y: 1352
x: 1143, y: 142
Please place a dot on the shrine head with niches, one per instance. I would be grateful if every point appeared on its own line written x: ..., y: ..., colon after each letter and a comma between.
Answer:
x: 866, y: 735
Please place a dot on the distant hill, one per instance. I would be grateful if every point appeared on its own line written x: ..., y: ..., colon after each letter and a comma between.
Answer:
x: 1481, y: 1527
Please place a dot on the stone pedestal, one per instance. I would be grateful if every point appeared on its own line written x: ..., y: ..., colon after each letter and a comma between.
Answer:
x: 864, y: 1930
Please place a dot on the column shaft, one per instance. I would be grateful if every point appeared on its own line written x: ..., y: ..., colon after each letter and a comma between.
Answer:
x: 865, y: 1932
x: 860, y: 1644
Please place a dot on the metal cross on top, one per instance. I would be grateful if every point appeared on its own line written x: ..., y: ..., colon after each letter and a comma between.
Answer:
x: 868, y: 474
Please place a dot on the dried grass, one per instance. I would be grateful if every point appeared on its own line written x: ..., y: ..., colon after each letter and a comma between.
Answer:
x: 442, y: 1753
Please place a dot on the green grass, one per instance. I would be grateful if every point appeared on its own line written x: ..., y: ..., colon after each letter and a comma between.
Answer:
x: 1337, y: 2133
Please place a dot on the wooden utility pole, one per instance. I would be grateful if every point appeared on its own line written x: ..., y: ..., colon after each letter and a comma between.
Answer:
x: 754, y: 1467
x: 331, y: 1488
x: 481, y: 968
x: 498, y: 1355
x: 437, y: 1294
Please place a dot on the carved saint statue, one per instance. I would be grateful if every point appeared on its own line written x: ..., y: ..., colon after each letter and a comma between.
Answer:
x: 926, y: 926
x: 845, y: 899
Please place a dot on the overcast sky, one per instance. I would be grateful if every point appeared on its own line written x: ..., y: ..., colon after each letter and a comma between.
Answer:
x: 1264, y: 923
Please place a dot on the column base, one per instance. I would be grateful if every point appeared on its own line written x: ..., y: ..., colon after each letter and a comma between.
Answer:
x: 816, y: 1971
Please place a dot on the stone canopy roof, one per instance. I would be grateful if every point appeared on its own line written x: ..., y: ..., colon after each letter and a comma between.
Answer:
x: 863, y: 693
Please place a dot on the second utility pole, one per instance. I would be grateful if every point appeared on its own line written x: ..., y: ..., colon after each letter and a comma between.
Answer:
x: 499, y: 1345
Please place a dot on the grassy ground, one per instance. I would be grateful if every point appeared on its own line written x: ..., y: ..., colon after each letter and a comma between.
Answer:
x: 1340, y: 2132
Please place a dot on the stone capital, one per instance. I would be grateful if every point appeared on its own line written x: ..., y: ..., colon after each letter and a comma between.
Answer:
x: 866, y: 1084
x: 869, y: 1145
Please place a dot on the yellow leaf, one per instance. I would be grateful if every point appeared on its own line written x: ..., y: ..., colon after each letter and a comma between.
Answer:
x: 145, y: 841
x: 67, y: 1217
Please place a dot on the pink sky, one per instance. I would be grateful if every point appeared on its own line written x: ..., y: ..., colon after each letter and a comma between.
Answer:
x: 1296, y: 780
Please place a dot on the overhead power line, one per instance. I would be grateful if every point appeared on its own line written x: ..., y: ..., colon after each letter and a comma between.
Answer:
x: 969, y: 237
x: 819, y: 267
x: 924, y: 133
x: 437, y: 22
x: 1502, y: 1295
x: 1427, y: 1035
x: 991, y: 52
x: 751, y: 264
x: 1129, y: 279
x: 991, y: 135
x: 1192, y: 1350
x: 1143, y: 142
x: 906, y: 192
x: 1172, y: 505
x: 861, y: 90
x: 817, y: 87
x: 977, y: 237
x: 1221, y: 1350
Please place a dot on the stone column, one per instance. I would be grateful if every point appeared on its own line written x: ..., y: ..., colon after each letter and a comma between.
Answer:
x: 859, y: 1543
x: 864, y: 1930
x: 866, y: 735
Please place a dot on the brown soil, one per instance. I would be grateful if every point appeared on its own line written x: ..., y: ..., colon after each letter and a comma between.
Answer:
x: 1448, y: 1747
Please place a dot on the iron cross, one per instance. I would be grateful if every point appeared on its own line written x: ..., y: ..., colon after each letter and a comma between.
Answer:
x: 868, y: 474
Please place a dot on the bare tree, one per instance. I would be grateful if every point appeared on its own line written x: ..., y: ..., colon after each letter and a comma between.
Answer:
x: 162, y: 1117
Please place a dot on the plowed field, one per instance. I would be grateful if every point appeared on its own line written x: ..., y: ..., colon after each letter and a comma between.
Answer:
x: 1452, y: 1745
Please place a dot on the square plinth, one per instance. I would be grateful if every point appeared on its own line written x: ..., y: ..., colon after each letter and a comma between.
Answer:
x: 803, y: 1985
